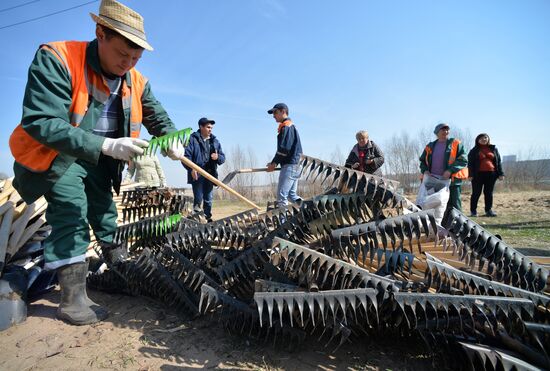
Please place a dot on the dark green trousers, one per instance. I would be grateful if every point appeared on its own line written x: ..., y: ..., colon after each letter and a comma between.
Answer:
x: 81, y: 198
x: 454, y: 197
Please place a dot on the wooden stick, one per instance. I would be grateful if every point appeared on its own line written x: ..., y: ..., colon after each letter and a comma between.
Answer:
x: 7, y: 190
x: 36, y: 208
x: 45, y: 228
x: 37, y: 237
x: 126, y: 187
x: 4, y: 235
x: 18, y: 227
x: 28, y: 233
x: 5, y: 207
x: 19, y: 209
x: 202, y: 172
x: 41, y: 206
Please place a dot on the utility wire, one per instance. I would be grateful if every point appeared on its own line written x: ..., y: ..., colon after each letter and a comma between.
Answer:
x: 48, y: 15
x: 18, y: 6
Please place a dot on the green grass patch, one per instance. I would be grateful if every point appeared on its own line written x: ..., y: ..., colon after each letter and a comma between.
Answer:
x: 518, y: 231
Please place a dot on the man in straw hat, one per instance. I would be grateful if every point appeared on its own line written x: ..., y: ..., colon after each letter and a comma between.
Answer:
x: 83, y: 107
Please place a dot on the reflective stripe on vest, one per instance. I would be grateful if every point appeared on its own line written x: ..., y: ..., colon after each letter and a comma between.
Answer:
x: 85, y: 84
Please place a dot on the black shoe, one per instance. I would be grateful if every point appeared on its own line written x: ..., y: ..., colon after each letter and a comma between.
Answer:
x: 209, y: 220
x: 473, y: 213
x: 75, y: 306
x: 490, y: 213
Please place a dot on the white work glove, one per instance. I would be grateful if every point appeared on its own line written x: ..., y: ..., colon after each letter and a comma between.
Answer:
x: 123, y: 148
x: 175, y: 151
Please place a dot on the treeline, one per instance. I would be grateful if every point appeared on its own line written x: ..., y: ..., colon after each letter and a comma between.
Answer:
x: 401, y: 153
x: 530, y: 170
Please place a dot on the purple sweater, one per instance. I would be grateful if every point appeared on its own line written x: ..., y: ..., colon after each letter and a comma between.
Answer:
x: 438, y: 158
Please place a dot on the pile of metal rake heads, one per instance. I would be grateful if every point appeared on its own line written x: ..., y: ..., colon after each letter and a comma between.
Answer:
x: 146, y: 202
x: 342, y: 267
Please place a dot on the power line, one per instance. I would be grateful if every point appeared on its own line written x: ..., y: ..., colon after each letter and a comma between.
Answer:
x: 18, y: 6
x: 48, y: 15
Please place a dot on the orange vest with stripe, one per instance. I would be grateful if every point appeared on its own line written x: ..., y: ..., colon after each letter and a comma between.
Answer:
x: 460, y: 174
x: 86, y: 84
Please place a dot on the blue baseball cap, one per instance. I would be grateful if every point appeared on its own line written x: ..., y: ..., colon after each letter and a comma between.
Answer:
x: 204, y: 121
x: 281, y: 106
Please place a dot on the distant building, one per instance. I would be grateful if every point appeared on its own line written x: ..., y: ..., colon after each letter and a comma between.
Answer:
x: 509, y: 158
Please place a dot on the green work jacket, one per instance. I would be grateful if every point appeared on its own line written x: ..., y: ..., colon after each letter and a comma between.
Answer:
x: 45, y: 117
x: 460, y: 162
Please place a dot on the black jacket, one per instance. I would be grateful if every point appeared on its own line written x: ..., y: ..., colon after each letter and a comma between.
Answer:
x: 473, y: 161
x: 373, y: 152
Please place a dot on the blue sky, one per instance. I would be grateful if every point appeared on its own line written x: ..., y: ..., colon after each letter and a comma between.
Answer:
x: 383, y: 66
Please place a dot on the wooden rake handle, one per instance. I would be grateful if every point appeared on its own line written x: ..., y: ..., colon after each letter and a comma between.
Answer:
x: 202, y: 172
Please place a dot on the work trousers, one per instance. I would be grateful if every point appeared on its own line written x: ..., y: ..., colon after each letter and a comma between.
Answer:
x: 454, y: 197
x: 203, y: 192
x: 483, y: 181
x: 81, y: 198
x: 288, y: 184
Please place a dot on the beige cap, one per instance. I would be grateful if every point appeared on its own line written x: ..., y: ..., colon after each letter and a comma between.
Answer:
x: 123, y: 20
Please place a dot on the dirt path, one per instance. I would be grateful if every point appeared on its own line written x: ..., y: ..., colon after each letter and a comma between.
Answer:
x: 133, y: 337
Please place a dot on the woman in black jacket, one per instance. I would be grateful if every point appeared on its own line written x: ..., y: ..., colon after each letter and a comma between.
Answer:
x: 365, y: 156
x: 484, y: 168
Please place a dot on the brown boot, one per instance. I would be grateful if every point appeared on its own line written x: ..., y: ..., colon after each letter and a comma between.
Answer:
x: 75, y: 306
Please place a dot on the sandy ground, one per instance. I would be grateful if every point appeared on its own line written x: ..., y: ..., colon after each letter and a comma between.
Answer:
x: 134, y: 336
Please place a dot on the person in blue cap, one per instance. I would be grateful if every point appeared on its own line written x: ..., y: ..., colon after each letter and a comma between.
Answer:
x: 289, y: 150
x: 205, y: 150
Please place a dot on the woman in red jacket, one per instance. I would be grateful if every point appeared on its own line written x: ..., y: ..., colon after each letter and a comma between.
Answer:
x: 484, y: 168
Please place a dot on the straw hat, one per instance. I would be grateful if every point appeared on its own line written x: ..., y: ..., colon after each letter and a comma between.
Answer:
x: 123, y: 20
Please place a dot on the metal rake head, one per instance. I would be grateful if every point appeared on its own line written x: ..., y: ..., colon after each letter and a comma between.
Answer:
x: 318, y: 307
x: 310, y: 266
x: 443, y: 277
x: 509, y: 265
x: 480, y: 309
x: 241, y: 318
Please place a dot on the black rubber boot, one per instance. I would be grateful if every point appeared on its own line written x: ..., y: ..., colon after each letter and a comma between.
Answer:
x: 76, y: 307
x: 112, y: 252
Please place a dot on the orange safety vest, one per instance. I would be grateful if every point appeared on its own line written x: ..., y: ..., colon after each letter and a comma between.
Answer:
x: 460, y: 174
x: 85, y: 82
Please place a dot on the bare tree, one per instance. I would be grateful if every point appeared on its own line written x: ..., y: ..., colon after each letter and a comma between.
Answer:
x: 536, y: 165
x: 425, y: 136
x: 270, y: 192
x: 251, y: 178
x: 465, y: 136
x: 337, y: 157
x: 401, y: 154
x: 235, y: 160
x: 246, y: 183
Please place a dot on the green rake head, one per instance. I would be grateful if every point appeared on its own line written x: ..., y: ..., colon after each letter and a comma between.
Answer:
x: 165, y: 225
x: 164, y: 142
